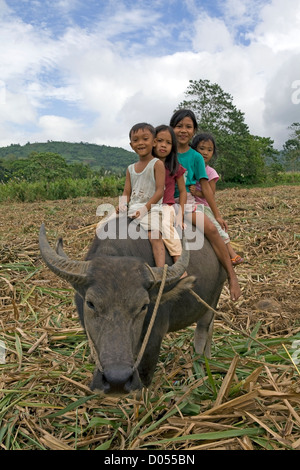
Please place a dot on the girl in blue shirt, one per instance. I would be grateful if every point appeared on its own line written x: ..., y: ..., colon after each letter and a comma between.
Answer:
x: 185, y: 125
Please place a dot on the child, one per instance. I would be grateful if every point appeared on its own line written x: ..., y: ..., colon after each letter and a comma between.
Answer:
x: 185, y: 125
x: 165, y: 148
x: 144, y: 188
x: 204, y: 143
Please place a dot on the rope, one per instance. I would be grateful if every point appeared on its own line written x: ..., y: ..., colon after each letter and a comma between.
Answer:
x: 94, y: 352
x: 153, y: 317
x: 152, y: 320
x: 220, y: 314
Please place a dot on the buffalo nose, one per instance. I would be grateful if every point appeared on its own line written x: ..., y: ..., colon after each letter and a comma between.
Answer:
x: 116, y: 380
x: 119, y: 379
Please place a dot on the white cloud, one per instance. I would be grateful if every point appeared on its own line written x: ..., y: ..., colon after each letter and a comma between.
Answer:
x: 242, y: 12
x: 212, y: 35
x: 118, y: 72
x: 16, y: 108
x: 4, y: 9
x: 281, y: 103
x: 58, y: 128
x: 279, y: 26
x: 257, y: 75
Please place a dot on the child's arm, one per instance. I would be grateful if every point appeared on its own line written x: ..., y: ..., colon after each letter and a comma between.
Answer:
x: 126, y: 195
x: 209, y: 196
x: 182, y: 200
x: 159, y: 174
x: 213, y: 185
x: 198, y: 193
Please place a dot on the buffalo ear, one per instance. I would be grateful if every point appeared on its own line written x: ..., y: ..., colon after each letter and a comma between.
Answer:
x: 175, y: 271
x: 184, y: 284
x: 173, y: 294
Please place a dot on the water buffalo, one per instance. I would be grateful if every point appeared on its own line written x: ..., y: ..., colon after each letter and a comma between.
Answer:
x: 116, y: 287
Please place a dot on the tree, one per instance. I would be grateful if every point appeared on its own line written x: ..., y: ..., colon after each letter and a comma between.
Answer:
x: 48, y: 166
x: 242, y: 159
x: 80, y: 171
x: 39, y: 166
x: 4, y: 172
x: 214, y: 108
x: 241, y: 156
x: 291, y: 149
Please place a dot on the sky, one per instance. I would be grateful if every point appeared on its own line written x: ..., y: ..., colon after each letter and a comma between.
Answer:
x: 87, y: 70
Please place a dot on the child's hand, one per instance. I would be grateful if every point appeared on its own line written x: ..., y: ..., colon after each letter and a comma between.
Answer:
x: 179, y: 221
x: 121, y: 208
x: 195, y: 192
x: 140, y: 213
x: 182, y: 225
x: 192, y: 189
x: 223, y: 224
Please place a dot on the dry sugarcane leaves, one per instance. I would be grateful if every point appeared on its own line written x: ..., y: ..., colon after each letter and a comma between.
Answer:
x: 246, y: 397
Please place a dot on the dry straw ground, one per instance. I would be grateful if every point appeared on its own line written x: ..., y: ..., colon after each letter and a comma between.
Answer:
x: 246, y: 397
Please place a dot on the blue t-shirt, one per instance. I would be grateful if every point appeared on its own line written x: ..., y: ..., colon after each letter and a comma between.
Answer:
x: 194, y: 164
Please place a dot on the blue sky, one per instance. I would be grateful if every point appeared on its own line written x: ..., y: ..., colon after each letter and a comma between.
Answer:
x: 88, y: 70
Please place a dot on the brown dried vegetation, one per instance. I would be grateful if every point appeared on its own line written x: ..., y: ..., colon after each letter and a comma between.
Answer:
x: 246, y: 397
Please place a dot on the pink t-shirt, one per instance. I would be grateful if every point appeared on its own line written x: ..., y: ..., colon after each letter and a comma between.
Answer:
x: 170, y: 185
x: 212, y: 175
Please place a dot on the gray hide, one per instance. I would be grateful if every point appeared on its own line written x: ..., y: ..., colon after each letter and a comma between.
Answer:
x: 115, y: 296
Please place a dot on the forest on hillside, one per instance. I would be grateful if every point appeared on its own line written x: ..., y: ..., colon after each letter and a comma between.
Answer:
x: 58, y: 170
x: 61, y: 170
x: 97, y: 157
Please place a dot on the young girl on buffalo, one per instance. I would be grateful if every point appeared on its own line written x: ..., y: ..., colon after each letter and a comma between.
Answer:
x: 184, y: 124
x: 205, y: 144
x: 165, y: 148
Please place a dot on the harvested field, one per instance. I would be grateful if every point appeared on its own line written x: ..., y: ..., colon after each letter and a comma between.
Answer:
x: 247, y: 397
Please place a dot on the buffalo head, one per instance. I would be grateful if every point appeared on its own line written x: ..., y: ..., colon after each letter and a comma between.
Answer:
x: 113, y: 298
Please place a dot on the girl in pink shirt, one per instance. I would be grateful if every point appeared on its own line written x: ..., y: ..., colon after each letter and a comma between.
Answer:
x: 204, y: 143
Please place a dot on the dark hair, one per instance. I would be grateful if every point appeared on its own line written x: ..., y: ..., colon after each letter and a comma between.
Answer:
x: 181, y: 114
x: 204, y: 136
x: 171, y: 161
x: 141, y: 125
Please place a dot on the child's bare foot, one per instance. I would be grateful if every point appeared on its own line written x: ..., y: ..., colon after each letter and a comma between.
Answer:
x: 235, y: 290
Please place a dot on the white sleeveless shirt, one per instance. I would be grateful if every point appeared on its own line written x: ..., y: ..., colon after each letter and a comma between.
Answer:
x: 143, y: 186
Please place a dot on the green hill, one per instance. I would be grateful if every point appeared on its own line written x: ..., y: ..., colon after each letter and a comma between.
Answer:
x: 115, y: 159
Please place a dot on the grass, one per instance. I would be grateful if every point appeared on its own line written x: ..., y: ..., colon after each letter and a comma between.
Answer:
x: 47, y: 404
x: 26, y: 191
x: 247, y: 396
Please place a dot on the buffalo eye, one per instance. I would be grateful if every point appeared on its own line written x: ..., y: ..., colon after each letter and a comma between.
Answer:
x: 90, y: 305
x: 144, y: 308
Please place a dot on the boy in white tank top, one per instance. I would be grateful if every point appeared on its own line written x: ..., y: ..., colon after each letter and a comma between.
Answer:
x: 144, y: 188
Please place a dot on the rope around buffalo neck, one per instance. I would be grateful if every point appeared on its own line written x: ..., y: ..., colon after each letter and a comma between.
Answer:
x: 94, y: 352
x: 152, y: 320
x: 153, y: 317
